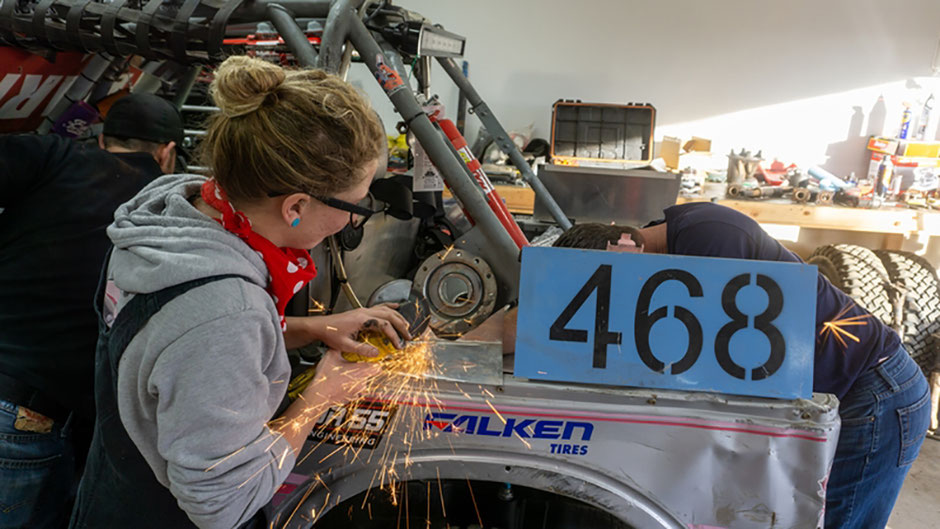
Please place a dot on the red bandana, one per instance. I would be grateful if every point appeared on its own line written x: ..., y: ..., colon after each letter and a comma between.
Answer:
x: 289, y: 269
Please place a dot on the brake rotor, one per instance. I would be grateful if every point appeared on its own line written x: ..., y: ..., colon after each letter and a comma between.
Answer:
x: 460, y: 289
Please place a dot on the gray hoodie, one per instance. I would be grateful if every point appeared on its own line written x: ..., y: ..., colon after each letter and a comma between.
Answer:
x: 198, y: 383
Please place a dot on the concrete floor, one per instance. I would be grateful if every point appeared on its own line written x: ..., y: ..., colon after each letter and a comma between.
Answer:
x: 918, y: 506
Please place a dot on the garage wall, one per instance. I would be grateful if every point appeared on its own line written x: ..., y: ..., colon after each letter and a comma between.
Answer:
x: 799, y: 79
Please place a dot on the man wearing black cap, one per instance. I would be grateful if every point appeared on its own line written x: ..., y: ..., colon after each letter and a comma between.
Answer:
x: 143, y: 123
x: 57, y: 197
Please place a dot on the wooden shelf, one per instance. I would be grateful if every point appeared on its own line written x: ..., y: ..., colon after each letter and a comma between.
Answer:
x: 519, y: 199
x: 904, y: 221
x: 884, y: 220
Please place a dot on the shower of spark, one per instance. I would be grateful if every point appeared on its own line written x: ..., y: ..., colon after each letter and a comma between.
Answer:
x: 446, y: 252
x: 404, y: 382
x: 407, y: 381
x: 316, y: 307
x: 834, y: 327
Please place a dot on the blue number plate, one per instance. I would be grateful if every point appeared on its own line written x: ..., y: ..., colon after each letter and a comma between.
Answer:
x: 664, y: 321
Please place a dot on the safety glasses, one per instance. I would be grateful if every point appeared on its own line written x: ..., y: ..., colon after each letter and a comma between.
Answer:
x: 358, y: 213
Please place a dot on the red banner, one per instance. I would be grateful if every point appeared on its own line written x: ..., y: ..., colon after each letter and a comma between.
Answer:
x: 28, y: 83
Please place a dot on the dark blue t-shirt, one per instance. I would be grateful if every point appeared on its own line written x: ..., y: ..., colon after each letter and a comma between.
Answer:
x: 709, y: 230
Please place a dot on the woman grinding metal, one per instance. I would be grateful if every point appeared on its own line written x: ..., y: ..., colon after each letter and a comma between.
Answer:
x: 191, y: 362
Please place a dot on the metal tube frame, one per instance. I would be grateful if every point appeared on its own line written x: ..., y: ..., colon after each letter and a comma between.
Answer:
x: 502, y: 139
x: 293, y: 36
x: 258, y: 10
x: 451, y: 167
x: 424, y: 76
x: 336, y: 31
x: 462, y: 104
x: 394, y: 59
x: 198, y: 28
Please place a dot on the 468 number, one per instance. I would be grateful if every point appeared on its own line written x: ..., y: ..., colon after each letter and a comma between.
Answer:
x: 644, y: 319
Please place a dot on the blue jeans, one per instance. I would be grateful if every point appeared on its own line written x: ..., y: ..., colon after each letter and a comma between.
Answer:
x: 37, y: 475
x: 885, y: 416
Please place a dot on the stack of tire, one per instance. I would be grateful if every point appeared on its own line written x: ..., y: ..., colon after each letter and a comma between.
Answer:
x: 901, y: 289
x: 883, y: 280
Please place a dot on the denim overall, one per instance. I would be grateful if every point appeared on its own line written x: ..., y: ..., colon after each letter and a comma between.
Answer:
x: 118, y: 488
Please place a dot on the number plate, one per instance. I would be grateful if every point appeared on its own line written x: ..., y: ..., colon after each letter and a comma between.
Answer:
x: 665, y: 321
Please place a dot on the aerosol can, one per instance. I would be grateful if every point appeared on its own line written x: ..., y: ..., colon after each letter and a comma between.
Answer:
x: 924, y: 119
x: 905, y: 122
x: 883, y: 180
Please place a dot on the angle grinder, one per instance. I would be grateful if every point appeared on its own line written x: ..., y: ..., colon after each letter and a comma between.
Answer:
x: 414, y: 310
x: 416, y: 313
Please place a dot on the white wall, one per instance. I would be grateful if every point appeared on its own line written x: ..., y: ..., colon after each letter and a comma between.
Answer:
x: 796, y: 78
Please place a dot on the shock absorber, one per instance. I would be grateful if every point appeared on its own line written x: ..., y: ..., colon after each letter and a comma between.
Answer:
x: 492, y: 197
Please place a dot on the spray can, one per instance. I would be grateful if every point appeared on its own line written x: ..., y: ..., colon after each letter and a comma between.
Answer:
x: 885, y: 168
x: 905, y: 122
x: 921, y: 133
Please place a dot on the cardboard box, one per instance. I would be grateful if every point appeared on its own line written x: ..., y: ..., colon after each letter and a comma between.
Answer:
x: 883, y: 145
x: 906, y: 148
x: 669, y: 151
x: 903, y: 165
x: 919, y: 149
x: 697, y: 144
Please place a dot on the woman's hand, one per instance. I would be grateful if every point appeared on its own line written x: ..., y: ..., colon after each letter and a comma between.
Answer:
x: 335, y: 383
x: 339, y: 331
x: 338, y: 381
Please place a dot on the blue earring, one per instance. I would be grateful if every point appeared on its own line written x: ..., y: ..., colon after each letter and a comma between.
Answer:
x: 295, y: 222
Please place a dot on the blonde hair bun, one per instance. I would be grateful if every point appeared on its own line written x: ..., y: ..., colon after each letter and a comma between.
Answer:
x: 285, y: 131
x: 242, y: 84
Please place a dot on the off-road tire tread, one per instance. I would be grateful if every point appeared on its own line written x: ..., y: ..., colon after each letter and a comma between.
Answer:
x: 861, y: 275
x: 921, y: 318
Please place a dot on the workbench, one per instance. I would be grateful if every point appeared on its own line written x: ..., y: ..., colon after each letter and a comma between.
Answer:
x: 898, y: 223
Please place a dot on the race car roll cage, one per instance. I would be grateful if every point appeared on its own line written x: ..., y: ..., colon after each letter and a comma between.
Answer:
x: 728, y: 432
x: 192, y: 32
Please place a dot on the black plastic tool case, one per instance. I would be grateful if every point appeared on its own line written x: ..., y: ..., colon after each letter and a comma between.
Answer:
x: 599, y: 133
